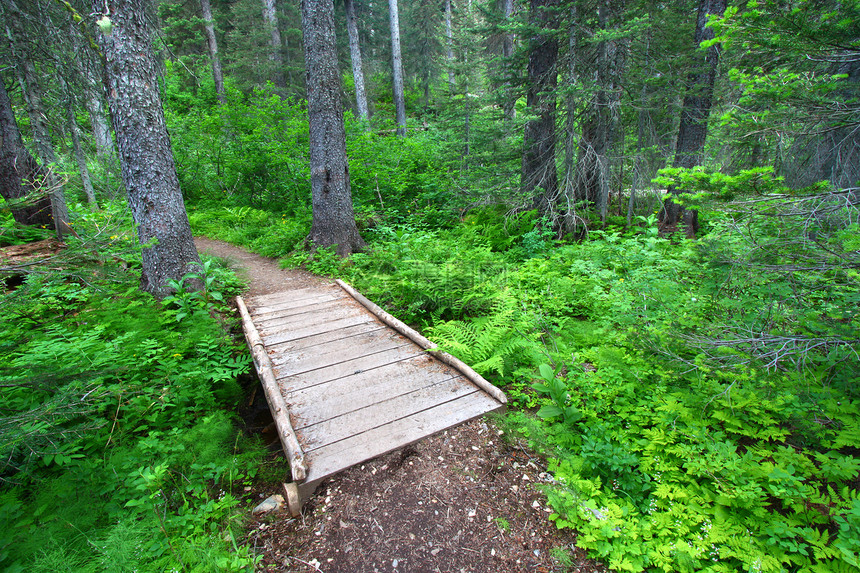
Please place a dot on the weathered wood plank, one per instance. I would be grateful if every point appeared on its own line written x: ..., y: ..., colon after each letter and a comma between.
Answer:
x: 319, y: 402
x: 384, y: 412
x: 355, y: 366
x: 336, y: 351
x: 278, y: 337
x: 335, y: 457
x: 309, y: 318
x: 296, y: 313
x: 290, y: 304
x: 314, y: 340
x: 293, y: 294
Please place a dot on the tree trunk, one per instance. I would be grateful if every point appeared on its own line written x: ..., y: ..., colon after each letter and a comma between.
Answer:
x: 212, y: 44
x: 539, y: 179
x: 397, y: 69
x: 276, y: 53
x: 570, y: 133
x: 331, y: 198
x: 509, y: 105
x: 693, y: 129
x: 91, y: 73
x: 19, y: 172
x: 36, y: 111
x: 355, y: 56
x: 600, y: 125
x: 449, y: 45
x: 146, y: 159
x: 80, y: 156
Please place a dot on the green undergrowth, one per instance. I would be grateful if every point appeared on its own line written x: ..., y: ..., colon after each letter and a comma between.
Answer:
x: 119, y: 448
x: 696, y: 400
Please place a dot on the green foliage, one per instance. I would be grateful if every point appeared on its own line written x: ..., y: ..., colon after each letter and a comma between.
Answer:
x: 695, y: 398
x: 117, y: 451
x: 12, y: 233
x: 201, y: 290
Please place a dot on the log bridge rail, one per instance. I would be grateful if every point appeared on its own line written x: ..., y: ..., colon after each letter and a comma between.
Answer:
x: 347, y: 382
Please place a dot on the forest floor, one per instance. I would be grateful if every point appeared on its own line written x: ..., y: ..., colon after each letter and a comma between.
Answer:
x: 466, y: 500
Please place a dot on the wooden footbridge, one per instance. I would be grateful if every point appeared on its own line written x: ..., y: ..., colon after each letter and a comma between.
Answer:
x: 347, y: 382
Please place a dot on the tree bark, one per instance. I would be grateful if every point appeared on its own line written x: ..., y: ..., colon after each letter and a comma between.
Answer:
x: 80, y: 156
x: 91, y: 73
x: 571, y: 103
x: 539, y: 179
x: 275, y: 54
x: 693, y: 129
x: 37, y: 114
x: 331, y: 198
x: 146, y: 159
x: 212, y: 44
x: 600, y: 125
x: 355, y: 57
x: 510, y: 110
x: 19, y: 171
x: 397, y: 69
x: 449, y: 45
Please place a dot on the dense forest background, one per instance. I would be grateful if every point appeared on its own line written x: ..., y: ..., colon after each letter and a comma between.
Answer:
x: 640, y: 219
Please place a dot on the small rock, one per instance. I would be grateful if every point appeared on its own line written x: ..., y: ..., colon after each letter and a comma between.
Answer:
x: 271, y: 503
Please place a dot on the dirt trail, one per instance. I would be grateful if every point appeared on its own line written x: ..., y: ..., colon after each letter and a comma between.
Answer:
x: 466, y: 500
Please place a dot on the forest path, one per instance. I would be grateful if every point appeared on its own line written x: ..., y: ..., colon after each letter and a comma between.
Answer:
x: 467, y: 499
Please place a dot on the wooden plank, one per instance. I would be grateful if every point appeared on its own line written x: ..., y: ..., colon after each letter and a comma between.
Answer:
x: 309, y: 318
x: 349, y: 367
x: 314, y: 404
x: 293, y: 294
x: 263, y: 310
x: 336, y: 351
x: 278, y: 337
x: 308, y: 341
x: 324, y: 306
x: 384, y: 412
x: 338, y: 456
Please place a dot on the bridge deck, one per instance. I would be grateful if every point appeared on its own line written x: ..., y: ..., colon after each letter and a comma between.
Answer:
x: 347, y: 382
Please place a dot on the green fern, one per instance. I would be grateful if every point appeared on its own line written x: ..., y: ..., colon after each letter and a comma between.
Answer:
x: 496, y: 343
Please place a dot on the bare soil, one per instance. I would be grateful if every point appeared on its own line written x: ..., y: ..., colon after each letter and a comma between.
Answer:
x: 468, y: 500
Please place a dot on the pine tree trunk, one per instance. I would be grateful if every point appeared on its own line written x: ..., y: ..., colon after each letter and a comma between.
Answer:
x: 212, y: 44
x: 570, y: 133
x: 91, y: 73
x: 600, y: 126
x: 693, y: 130
x: 276, y: 53
x: 36, y: 112
x: 449, y: 45
x: 355, y: 56
x: 397, y: 69
x: 19, y: 171
x: 80, y: 156
x: 331, y: 198
x: 510, y: 110
x: 539, y: 179
x: 146, y: 159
